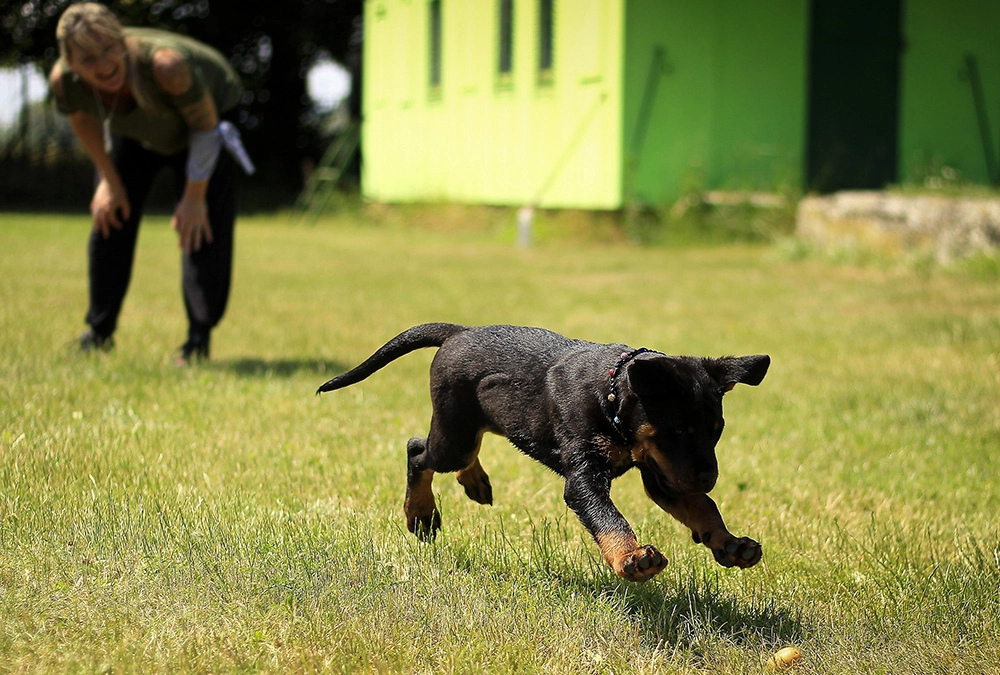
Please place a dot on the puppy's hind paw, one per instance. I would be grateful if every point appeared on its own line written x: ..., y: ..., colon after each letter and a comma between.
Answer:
x: 425, y: 527
x: 738, y: 552
x: 476, y: 483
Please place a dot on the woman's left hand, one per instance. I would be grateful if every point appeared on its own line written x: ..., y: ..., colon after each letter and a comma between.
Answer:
x: 191, y: 223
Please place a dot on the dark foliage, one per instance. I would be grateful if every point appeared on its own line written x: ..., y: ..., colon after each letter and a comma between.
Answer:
x: 271, y: 44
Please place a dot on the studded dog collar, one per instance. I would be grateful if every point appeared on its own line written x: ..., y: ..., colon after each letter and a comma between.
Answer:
x: 612, y: 397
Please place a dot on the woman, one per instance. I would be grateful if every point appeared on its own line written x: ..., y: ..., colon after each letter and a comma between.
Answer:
x: 140, y: 100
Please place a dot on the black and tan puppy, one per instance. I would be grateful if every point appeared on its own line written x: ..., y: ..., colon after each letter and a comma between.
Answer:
x: 590, y: 412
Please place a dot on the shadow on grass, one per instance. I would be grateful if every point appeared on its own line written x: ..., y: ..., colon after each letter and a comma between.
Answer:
x: 679, y: 608
x: 682, y: 612
x: 264, y: 368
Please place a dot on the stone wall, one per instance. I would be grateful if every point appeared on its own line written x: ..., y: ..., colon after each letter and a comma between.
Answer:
x: 948, y: 228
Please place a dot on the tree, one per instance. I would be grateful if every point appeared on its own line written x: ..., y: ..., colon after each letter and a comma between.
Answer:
x: 271, y: 44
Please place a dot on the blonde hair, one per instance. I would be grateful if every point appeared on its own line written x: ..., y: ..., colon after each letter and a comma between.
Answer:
x: 87, y: 26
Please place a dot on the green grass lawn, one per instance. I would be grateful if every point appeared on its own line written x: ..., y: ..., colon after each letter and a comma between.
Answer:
x: 224, y: 518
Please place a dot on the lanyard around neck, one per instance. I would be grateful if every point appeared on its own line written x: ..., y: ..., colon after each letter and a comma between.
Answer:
x: 106, y: 118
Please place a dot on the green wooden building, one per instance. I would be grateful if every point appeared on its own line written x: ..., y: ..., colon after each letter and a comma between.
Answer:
x: 599, y: 103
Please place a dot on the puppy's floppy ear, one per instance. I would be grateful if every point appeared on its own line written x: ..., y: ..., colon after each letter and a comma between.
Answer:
x: 732, y: 370
x: 653, y: 377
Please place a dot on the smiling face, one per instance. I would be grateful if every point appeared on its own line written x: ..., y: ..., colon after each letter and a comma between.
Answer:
x: 92, y: 44
x: 101, y: 64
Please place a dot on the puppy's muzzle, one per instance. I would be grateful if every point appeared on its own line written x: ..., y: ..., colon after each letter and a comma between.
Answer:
x: 701, y: 483
x: 706, y: 480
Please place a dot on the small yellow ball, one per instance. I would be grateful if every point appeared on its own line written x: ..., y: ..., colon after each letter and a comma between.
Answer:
x: 785, y: 658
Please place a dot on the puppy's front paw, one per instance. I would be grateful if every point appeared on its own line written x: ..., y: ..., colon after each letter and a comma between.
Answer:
x: 738, y: 552
x: 642, y: 564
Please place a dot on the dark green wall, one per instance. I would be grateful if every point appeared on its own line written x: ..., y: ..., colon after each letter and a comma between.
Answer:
x: 728, y: 111
x: 938, y: 122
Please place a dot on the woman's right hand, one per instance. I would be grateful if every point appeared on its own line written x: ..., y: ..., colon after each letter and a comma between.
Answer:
x: 109, y: 207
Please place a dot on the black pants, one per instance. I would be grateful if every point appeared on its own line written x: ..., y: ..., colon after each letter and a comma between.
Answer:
x: 206, y: 272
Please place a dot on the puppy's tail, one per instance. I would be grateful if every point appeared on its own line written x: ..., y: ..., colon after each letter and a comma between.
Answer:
x: 412, y: 339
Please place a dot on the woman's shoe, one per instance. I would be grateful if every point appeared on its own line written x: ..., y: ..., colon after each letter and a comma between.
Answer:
x: 194, y: 350
x: 90, y: 342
